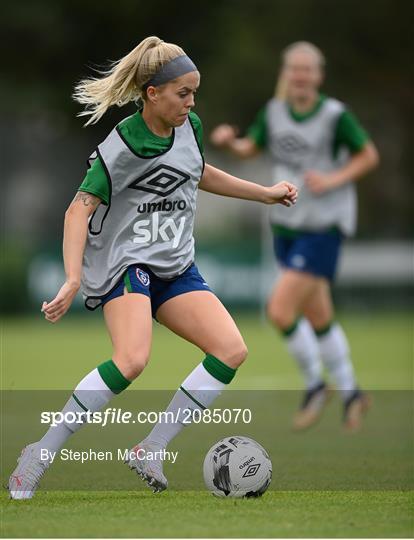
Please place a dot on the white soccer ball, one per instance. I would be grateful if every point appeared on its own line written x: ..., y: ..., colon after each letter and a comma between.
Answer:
x: 237, y: 467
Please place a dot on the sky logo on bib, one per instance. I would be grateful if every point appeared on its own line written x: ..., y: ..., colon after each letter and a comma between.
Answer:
x: 159, y: 229
x: 143, y: 277
x: 162, y: 180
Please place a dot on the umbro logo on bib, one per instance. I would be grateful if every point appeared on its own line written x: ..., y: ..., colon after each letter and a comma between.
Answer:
x: 292, y: 143
x: 162, y: 180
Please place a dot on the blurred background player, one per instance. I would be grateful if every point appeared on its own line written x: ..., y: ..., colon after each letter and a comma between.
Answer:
x: 128, y: 242
x: 316, y: 142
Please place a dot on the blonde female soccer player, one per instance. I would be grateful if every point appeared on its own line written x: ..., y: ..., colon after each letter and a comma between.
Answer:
x: 128, y: 242
x: 316, y: 142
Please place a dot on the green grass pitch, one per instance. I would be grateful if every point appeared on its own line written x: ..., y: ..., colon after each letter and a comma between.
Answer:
x: 196, y: 514
x: 38, y: 356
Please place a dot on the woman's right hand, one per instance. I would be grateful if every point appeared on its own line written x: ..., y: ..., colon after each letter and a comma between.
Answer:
x: 283, y: 193
x: 55, y: 309
x: 223, y: 135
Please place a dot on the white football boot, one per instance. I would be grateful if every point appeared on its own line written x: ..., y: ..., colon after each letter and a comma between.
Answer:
x: 150, y: 470
x: 312, y: 407
x: 354, y: 409
x: 25, y: 478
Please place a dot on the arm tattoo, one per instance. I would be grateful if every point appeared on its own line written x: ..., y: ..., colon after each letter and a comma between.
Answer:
x: 87, y: 199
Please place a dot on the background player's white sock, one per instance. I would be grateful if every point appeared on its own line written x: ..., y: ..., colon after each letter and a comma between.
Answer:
x: 303, y: 346
x: 334, y: 350
x: 93, y: 392
x: 204, y: 384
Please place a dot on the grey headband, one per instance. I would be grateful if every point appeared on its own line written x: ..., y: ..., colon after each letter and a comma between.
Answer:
x: 173, y: 69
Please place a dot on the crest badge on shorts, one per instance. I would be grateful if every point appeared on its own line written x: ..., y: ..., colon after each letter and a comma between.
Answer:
x: 298, y: 260
x: 143, y: 277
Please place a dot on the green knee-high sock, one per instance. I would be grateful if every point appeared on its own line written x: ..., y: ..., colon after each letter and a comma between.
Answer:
x: 92, y: 393
x: 198, y: 391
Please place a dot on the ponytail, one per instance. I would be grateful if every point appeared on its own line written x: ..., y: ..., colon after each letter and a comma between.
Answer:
x: 281, y: 88
x: 124, y: 80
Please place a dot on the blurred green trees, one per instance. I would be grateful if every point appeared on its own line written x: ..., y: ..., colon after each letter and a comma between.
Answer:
x: 48, y: 45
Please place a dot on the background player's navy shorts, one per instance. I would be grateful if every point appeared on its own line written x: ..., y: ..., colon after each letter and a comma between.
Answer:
x: 313, y: 252
x: 138, y: 278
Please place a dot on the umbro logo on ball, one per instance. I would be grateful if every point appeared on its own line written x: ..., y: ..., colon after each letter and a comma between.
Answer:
x: 162, y: 180
x: 252, y: 470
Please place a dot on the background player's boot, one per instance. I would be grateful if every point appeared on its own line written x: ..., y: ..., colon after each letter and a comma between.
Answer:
x: 25, y: 478
x: 150, y: 470
x: 312, y: 407
x: 354, y: 409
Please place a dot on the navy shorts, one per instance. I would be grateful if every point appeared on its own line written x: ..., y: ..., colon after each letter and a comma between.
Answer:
x: 316, y: 253
x: 138, y: 278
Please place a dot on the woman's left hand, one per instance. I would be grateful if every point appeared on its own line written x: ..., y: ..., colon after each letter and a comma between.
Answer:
x: 318, y: 182
x: 283, y: 193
